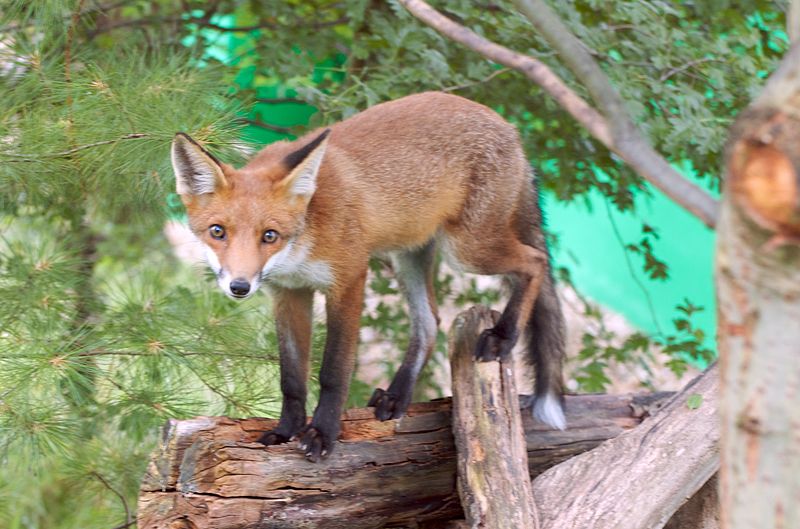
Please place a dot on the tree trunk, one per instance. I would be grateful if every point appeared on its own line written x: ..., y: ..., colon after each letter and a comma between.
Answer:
x: 209, y: 473
x: 493, y: 479
x: 639, y: 479
x: 758, y: 282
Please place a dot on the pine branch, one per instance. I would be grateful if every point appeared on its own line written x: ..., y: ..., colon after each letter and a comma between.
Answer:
x: 128, y: 519
x: 204, y: 23
x: 69, y: 152
x: 99, y: 8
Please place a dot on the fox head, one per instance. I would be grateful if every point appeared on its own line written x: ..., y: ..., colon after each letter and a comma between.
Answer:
x: 248, y: 219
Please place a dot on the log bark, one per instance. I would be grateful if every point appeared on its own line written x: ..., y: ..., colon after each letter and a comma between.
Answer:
x: 758, y: 293
x: 209, y: 473
x: 493, y: 478
x: 639, y: 479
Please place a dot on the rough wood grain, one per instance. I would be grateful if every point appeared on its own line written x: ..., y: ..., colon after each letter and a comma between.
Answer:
x: 758, y: 299
x: 209, y: 473
x: 639, y: 479
x: 493, y: 479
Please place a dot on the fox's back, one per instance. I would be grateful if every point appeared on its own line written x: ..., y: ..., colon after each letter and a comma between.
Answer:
x: 419, y: 160
x: 413, y: 164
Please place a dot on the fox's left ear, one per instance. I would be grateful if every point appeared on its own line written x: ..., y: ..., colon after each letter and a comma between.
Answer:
x: 197, y: 172
x: 303, y: 165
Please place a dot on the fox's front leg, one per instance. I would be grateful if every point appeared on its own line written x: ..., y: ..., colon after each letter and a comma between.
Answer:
x: 343, y: 309
x: 292, y: 310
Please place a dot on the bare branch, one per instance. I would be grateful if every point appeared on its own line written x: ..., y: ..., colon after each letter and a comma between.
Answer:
x: 532, y: 68
x: 615, y: 130
x: 628, y: 140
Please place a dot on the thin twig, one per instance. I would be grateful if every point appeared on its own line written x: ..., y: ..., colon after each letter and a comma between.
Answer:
x: 632, y: 269
x: 478, y: 82
x: 70, y: 152
x: 263, y: 125
x: 679, y: 69
x: 128, y: 519
x: 279, y: 100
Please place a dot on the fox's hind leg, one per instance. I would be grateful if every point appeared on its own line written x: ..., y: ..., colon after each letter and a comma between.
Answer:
x: 525, y: 268
x: 511, y: 243
x: 414, y: 272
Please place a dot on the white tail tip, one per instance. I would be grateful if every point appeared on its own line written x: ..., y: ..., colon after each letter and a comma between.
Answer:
x: 548, y: 410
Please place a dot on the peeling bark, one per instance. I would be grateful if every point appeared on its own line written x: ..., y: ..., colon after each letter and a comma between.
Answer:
x: 210, y: 473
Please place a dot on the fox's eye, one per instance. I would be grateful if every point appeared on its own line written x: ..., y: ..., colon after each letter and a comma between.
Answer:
x: 217, y: 231
x: 270, y: 236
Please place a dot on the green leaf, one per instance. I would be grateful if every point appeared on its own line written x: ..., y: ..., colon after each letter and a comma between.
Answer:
x: 694, y: 401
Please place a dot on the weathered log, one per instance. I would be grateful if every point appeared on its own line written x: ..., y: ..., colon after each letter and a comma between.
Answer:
x: 639, y: 479
x: 210, y: 473
x: 493, y: 479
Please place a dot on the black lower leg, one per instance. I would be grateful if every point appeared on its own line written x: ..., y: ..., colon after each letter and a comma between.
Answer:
x: 496, y: 343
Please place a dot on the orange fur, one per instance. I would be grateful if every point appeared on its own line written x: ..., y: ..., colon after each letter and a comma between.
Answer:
x: 426, y: 170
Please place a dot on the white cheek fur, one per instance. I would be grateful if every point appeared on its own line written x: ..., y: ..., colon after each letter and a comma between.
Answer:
x: 211, y: 259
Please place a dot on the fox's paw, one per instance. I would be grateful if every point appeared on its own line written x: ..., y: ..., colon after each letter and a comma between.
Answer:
x: 315, y: 443
x: 494, y: 345
x: 273, y: 437
x: 387, y: 405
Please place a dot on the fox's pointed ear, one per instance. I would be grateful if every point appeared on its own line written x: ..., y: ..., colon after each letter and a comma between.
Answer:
x: 197, y: 172
x: 303, y: 165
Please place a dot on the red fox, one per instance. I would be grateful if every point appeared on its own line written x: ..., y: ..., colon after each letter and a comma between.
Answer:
x: 398, y: 180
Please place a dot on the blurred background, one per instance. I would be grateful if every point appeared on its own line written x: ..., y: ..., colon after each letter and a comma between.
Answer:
x: 109, y: 323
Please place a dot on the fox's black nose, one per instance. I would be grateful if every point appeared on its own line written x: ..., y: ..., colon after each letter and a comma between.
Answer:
x: 240, y: 287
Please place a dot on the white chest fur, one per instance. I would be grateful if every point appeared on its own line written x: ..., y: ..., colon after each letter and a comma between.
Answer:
x: 293, y: 268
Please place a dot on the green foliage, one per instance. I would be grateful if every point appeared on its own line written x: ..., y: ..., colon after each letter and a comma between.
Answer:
x: 103, y: 335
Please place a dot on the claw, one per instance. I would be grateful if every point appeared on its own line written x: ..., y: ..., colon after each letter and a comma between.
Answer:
x: 272, y: 437
x: 387, y: 405
x: 314, y: 443
x: 492, y: 345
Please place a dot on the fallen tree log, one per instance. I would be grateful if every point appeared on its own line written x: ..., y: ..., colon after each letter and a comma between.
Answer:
x: 210, y: 473
x: 639, y: 479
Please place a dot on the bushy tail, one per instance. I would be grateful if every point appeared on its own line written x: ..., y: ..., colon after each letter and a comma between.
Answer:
x: 546, y: 349
x: 545, y: 329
